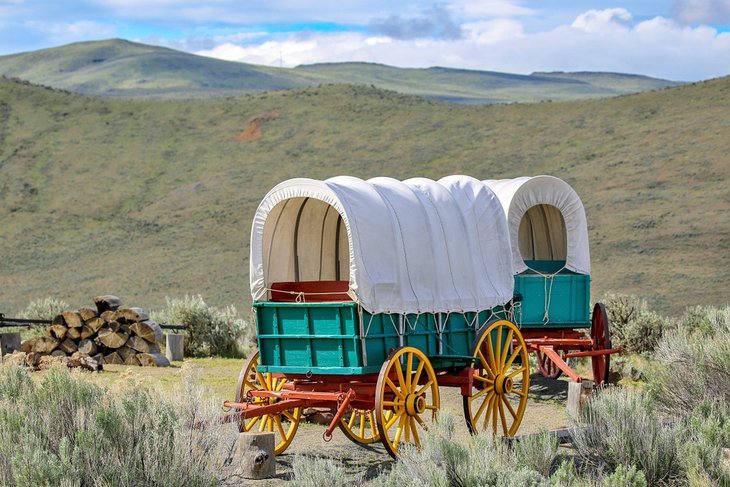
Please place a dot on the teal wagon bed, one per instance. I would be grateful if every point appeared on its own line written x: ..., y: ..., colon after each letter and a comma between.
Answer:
x: 369, y: 296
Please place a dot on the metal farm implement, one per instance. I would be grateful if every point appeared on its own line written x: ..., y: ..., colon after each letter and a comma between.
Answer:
x: 370, y: 295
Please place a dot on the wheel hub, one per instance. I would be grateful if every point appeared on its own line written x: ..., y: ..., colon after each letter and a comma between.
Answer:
x: 415, y: 404
x: 503, y: 384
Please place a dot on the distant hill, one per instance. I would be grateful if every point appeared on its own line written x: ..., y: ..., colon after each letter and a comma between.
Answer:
x: 154, y: 198
x: 121, y: 68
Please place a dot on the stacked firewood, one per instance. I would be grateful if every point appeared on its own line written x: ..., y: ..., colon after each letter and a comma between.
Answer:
x: 110, y: 334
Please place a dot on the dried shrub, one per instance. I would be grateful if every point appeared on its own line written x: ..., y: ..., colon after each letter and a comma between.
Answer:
x: 642, y: 334
x: 538, y: 451
x: 63, y: 430
x: 693, y: 366
x: 210, y: 331
x: 44, y: 309
x: 625, y: 477
x: 310, y: 471
x: 619, y: 427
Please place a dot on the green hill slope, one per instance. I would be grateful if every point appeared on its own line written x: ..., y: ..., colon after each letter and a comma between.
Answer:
x: 122, y: 68
x: 152, y: 198
x: 125, y: 69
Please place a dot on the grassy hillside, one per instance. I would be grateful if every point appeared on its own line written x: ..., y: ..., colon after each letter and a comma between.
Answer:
x: 481, y: 87
x: 145, y: 199
x: 122, y: 68
x: 125, y: 69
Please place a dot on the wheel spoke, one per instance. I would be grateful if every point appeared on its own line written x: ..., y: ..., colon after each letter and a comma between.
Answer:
x: 261, y: 379
x: 394, y: 388
x: 488, y: 413
x: 424, y: 387
x: 494, y: 415
x: 399, y: 372
x: 291, y: 417
x: 280, y: 428
x: 518, y: 371
x: 481, y: 408
x: 399, y: 431
x: 417, y: 375
x: 509, y: 407
x: 409, y: 377
x: 490, y: 352
x: 352, y: 419
x: 362, y: 425
x: 498, y: 358
x: 483, y: 379
x: 250, y: 424
x: 483, y: 391
x: 505, y: 348
x: 512, y: 357
x: 501, y: 416
x: 416, y: 438
x: 485, y: 364
x: 393, y: 419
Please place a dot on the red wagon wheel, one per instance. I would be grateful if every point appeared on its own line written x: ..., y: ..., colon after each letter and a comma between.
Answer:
x: 547, y: 367
x: 601, y: 341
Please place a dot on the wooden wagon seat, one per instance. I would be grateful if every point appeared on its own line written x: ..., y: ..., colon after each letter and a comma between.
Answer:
x: 310, y: 291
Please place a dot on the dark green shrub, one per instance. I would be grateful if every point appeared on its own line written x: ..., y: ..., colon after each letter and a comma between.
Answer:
x: 641, y: 334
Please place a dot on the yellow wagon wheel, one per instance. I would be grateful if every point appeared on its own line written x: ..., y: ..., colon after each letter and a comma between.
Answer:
x: 359, y: 426
x: 284, y: 425
x: 501, y: 380
x: 406, y: 398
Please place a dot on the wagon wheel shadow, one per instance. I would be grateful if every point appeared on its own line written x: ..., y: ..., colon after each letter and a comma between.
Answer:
x: 543, y: 389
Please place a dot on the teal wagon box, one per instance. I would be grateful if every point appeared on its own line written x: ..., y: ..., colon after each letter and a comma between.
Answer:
x: 341, y: 338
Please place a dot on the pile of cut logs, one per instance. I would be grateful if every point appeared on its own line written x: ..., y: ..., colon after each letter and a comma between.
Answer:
x: 110, y: 334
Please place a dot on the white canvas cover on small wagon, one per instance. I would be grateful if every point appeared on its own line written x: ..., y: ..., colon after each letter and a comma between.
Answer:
x: 416, y: 246
x: 519, y: 195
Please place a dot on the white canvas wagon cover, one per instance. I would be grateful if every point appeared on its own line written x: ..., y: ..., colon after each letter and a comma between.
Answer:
x: 519, y: 195
x: 414, y: 246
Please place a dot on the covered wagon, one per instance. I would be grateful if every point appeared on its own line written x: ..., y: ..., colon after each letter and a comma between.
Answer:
x: 369, y: 295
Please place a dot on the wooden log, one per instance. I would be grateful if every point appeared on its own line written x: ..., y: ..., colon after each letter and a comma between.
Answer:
x: 95, y: 323
x: 57, y: 331
x: 99, y: 357
x: 74, y: 333
x: 125, y: 352
x: 132, y: 315
x: 87, y: 332
x: 27, y: 345
x: 148, y: 329
x: 113, y: 358
x: 132, y: 360
x: 9, y: 343
x: 152, y: 360
x: 107, y: 302
x: 112, y: 339
x: 175, y: 347
x: 88, y: 347
x: 33, y: 359
x: 143, y: 346
x: 73, y: 319
x: 109, y: 316
x: 578, y: 395
x: 44, y: 345
x: 58, y: 353
x: 58, y: 320
x: 68, y: 346
x: 88, y: 313
x: 255, y: 455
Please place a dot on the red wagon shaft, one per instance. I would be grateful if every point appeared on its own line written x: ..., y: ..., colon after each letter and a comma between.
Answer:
x: 553, y: 347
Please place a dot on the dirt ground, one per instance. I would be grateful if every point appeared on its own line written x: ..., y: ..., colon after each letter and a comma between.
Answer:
x: 545, y: 410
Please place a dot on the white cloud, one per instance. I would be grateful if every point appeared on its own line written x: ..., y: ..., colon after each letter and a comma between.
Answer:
x: 594, y: 41
x: 600, y: 20
x: 63, y: 32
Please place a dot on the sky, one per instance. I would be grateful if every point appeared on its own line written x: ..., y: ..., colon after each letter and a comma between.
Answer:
x: 683, y: 40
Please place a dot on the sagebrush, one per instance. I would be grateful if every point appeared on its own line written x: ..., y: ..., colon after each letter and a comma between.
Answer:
x: 210, y: 331
x: 64, y: 430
